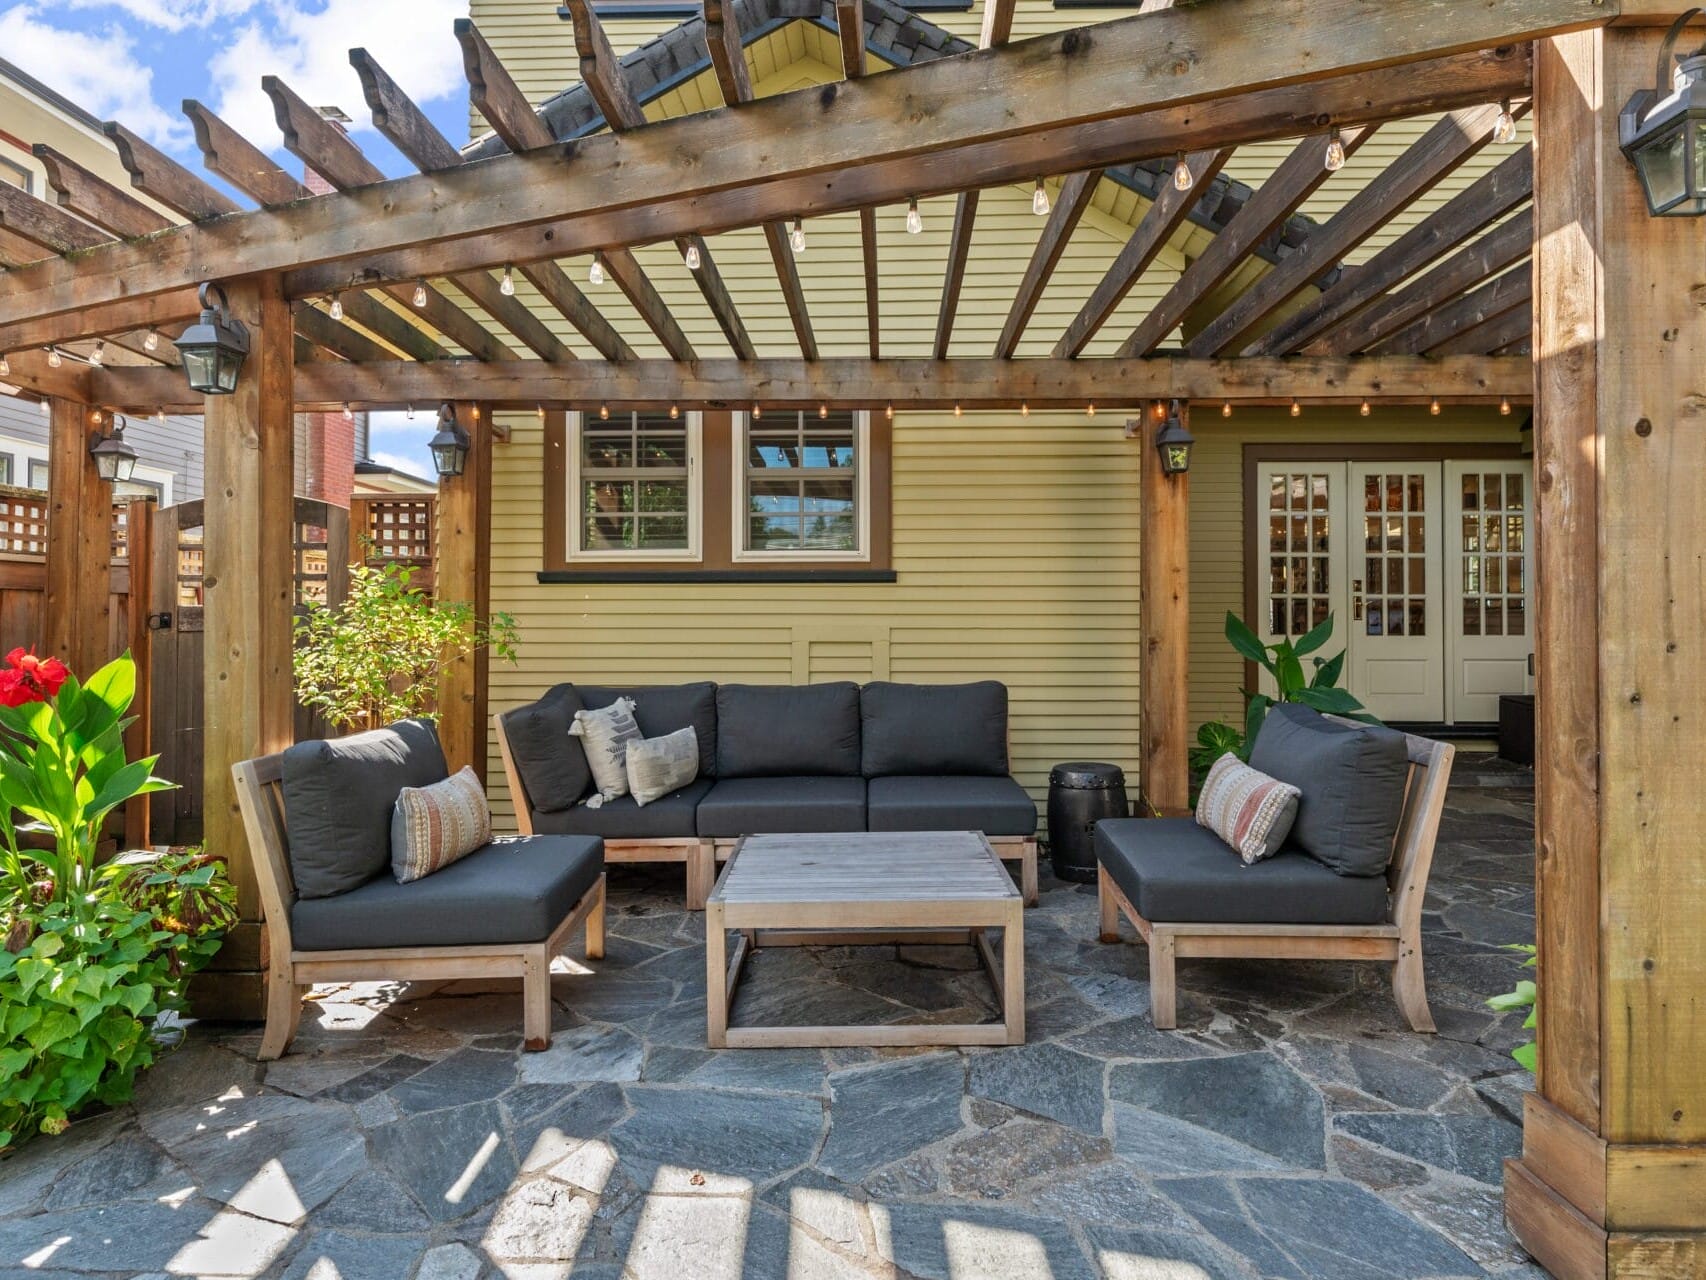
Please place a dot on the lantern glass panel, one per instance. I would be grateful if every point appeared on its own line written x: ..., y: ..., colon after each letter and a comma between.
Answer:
x: 447, y: 458
x: 201, y: 367
x: 1176, y: 459
x: 230, y: 365
x: 1663, y: 166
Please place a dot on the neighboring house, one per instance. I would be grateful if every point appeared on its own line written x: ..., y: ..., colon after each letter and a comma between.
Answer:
x: 937, y: 546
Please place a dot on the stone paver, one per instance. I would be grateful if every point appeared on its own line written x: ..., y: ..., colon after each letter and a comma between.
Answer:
x: 1292, y: 1127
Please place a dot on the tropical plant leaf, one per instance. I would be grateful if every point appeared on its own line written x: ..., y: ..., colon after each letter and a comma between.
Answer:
x: 1317, y: 637
x: 1246, y: 641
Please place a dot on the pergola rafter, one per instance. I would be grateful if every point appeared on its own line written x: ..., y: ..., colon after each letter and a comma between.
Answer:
x: 1460, y: 318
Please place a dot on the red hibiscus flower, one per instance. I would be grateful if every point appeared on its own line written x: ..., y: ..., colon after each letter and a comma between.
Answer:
x: 16, y: 689
x: 31, y: 679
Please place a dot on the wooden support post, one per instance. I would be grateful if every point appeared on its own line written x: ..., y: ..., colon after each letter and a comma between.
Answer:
x: 1612, y: 1179
x: 139, y: 738
x: 250, y: 589
x: 1165, y: 584
x: 79, y: 544
x: 461, y: 572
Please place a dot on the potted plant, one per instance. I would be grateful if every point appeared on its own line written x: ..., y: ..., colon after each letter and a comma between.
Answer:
x: 96, y: 955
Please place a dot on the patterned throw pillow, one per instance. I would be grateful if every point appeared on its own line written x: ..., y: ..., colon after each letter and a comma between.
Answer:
x: 432, y: 827
x: 657, y: 766
x: 605, y: 734
x: 1249, y: 810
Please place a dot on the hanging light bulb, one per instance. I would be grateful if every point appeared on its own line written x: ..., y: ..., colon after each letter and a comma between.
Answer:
x: 914, y: 219
x: 1296, y: 409
x: 1039, y: 200
x: 1504, y: 405
x: 54, y: 359
x: 507, y: 285
x: 160, y: 415
x: 1433, y: 406
x: 1182, y: 178
x: 595, y: 273
x: 604, y: 413
x: 540, y: 410
x: 5, y: 366
x: 420, y: 293
x: 151, y: 340
x: 1090, y: 410
x: 349, y: 413
x: 98, y: 356
x: 1226, y: 408
x: 46, y: 408
x: 474, y: 410
x: 1024, y: 409
x: 823, y: 411
x: 757, y: 412
x: 1366, y: 409
x: 888, y: 412
x: 957, y: 410
x: 690, y: 255
x: 1504, y: 128
x: 411, y: 413
x: 797, y: 237
x: 674, y: 412
x: 337, y: 306
x: 1335, y: 158
x: 94, y: 417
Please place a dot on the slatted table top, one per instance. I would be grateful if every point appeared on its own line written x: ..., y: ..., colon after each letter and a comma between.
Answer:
x: 865, y: 867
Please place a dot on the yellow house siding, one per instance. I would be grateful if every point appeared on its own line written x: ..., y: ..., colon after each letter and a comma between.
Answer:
x: 1217, y: 512
x: 1015, y: 546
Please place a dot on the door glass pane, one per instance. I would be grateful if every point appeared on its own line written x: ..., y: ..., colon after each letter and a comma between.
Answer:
x: 1375, y: 576
x: 1418, y: 617
x: 1395, y: 618
x: 1471, y: 615
x: 1318, y: 493
x: 1276, y: 493
x: 1471, y: 493
x: 1276, y: 533
x: 1394, y: 493
x: 1491, y: 488
x: 1418, y: 494
x: 1495, y: 577
x: 1516, y: 618
x: 1418, y: 575
x: 1495, y: 620
x: 1276, y: 576
x: 1371, y: 493
x: 1299, y: 541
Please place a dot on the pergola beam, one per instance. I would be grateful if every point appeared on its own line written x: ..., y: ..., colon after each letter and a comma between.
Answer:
x: 1074, y: 197
x: 850, y: 27
x: 161, y: 178
x: 838, y: 146
x: 1489, y: 302
x: 40, y: 223
x: 856, y: 383
x: 94, y: 198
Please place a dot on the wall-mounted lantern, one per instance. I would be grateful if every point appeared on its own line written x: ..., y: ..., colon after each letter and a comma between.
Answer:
x: 1663, y: 131
x: 1173, y: 442
x: 115, y: 461
x: 214, y: 348
x: 450, y: 446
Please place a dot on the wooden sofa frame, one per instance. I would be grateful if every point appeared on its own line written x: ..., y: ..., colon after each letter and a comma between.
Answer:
x: 1397, y: 941
x: 702, y: 856
x: 290, y: 973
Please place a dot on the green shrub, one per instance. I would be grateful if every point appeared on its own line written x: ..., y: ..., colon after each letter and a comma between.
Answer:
x: 1523, y: 997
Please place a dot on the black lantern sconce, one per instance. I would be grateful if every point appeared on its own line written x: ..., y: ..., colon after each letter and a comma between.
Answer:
x: 115, y: 461
x: 450, y: 445
x: 1662, y: 131
x: 214, y: 348
x: 1173, y: 442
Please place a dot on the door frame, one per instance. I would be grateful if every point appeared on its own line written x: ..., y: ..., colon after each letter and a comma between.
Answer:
x: 1258, y: 454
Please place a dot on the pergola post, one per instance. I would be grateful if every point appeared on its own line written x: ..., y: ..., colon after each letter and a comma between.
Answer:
x: 250, y: 592
x: 1612, y: 1179
x: 79, y: 544
x: 461, y: 573
x: 1164, y: 555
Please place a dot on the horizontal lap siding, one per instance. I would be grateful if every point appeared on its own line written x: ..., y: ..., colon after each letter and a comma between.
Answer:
x: 1015, y: 546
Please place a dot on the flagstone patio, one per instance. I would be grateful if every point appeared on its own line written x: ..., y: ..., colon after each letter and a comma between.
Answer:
x: 1290, y: 1128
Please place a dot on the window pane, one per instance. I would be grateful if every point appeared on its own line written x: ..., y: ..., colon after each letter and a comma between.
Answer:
x: 814, y: 508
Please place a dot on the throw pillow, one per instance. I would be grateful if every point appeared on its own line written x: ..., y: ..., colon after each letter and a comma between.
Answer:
x: 605, y: 734
x: 1249, y: 810
x: 434, y: 826
x: 658, y: 766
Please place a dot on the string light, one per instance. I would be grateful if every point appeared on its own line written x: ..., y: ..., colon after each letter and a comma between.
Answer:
x: 1039, y: 200
x: 5, y: 366
x: 888, y: 412
x: 1182, y: 178
x: 1366, y: 409
x: 1090, y: 410
x: 1335, y: 158
x: 690, y: 255
x: 1024, y: 409
x: 151, y: 340
x: 914, y: 219
x: 98, y: 356
x: 45, y: 408
x: 957, y: 411
x: 797, y: 237
x: 604, y: 413
x: 94, y: 417
x: 823, y: 411
x: 757, y: 412
x: 1226, y: 408
x: 54, y: 359
x: 1433, y: 406
x: 420, y: 293
x: 507, y: 285
x: 1504, y: 405
x: 1504, y: 128
x: 1296, y: 409
x: 349, y: 413
x: 540, y: 410
x: 474, y: 410
x: 595, y: 273
x: 337, y: 306
x: 411, y: 413
x: 674, y: 411
x: 160, y: 415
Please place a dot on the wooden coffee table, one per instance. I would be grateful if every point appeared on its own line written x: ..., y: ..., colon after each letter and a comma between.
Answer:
x: 864, y: 889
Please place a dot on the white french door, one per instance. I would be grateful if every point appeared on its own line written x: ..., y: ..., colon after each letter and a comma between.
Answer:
x: 1424, y: 567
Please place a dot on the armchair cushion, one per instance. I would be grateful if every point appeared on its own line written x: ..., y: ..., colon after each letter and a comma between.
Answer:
x: 338, y: 797
x: 515, y: 889
x: 667, y: 817
x: 1175, y: 872
x: 552, y: 765
x: 766, y: 806
x: 934, y: 729
x: 775, y: 731
x: 994, y: 806
x: 662, y: 709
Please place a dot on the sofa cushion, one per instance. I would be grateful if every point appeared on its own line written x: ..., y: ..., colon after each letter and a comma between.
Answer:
x: 552, y: 765
x: 664, y: 708
x: 767, y: 806
x: 515, y: 889
x: 338, y: 796
x: 994, y: 806
x: 788, y: 730
x: 1352, y: 778
x: 1174, y: 871
x: 934, y: 728
x: 667, y: 817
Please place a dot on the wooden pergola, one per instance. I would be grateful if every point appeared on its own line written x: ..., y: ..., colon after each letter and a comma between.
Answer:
x: 1613, y: 1177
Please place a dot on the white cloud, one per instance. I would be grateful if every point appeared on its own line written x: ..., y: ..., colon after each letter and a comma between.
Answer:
x: 98, y: 70
x: 421, y: 466
x: 309, y: 50
x: 171, y: 15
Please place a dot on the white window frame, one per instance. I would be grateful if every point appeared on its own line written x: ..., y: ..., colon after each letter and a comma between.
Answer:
x: 860, y: 553
x: 694, y: 551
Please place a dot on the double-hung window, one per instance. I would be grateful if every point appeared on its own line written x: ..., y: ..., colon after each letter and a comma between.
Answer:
x: 633, y: 481
x: 802, y: 486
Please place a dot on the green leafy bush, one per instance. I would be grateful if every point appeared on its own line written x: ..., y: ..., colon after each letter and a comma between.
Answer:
x: 94, y: 954
x: 377, y: 656
x: 1523, y: 997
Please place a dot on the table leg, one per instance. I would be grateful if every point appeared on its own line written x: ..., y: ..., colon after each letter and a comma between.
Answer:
x: 716, y: 978
x: 1013, y: 974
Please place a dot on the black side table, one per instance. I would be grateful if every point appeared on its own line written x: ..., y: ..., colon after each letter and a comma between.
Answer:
x: 1081, y: 794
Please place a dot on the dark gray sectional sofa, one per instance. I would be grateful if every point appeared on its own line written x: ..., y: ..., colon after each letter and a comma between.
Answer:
x: 780, y: 758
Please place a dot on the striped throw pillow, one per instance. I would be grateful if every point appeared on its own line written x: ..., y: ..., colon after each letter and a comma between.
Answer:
x: 605, y: 734
x: 432, y: 827
x: 1249, y: 810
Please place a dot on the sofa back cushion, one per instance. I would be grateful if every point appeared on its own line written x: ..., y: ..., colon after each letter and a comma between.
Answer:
x: 958, y: 729
x: 552, y: 765
x: 661, y: 709
x: 1351, y: 777
x: 770, y: 731
x: 338, y: 798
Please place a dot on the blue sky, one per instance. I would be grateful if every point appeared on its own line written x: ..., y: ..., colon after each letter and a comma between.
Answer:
x: 136, y: 61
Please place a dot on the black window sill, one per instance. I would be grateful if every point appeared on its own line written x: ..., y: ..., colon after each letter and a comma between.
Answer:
x: 938, y: 6
x: 639, y: 9
x: 664, y: 577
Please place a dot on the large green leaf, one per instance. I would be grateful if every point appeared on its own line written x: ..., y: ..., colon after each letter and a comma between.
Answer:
x: 1288, y: 671
x: 114, y: 684
x: 1327, y: 671
x: 1254, y: 716
x: 1316, y: 638
x: 1246, y: 641
x: 1335, y: 702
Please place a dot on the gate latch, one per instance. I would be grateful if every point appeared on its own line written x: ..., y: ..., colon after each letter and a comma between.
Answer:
x: 159, y: 622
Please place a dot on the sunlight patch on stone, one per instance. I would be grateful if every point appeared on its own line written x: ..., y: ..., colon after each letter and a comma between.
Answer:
x: 271, y: 1195
x: 703, y: 1236
x: 41, y: 1256
x: 1133, y: 1266
x: 232, y: 1244
x: 975, y: 1251
x: 459, y: 1188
